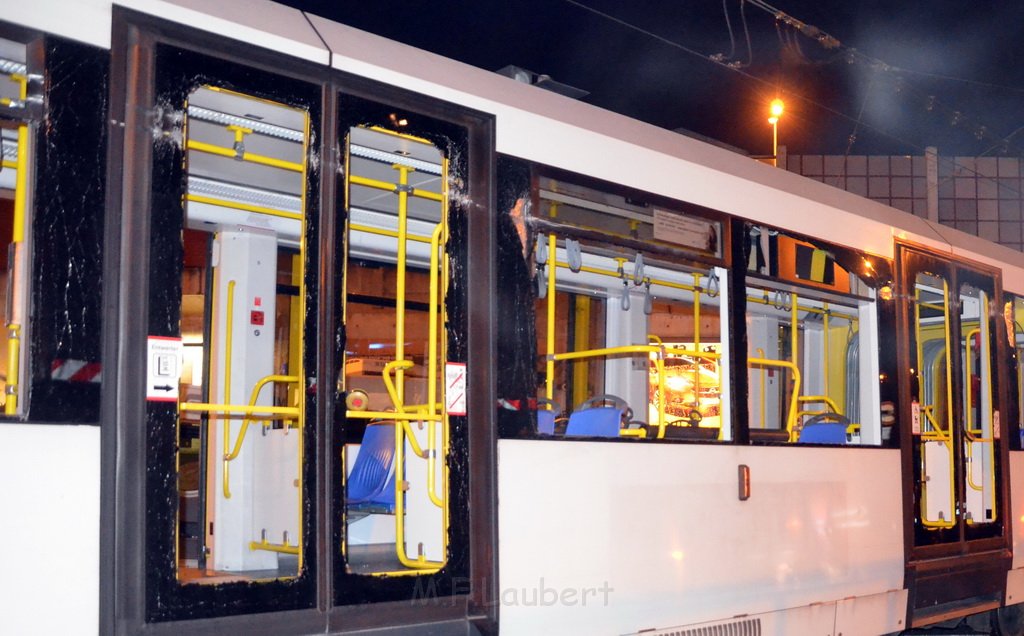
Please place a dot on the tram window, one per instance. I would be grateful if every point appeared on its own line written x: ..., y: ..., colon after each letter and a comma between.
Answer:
x: 812, y: 343
x: 616, y: 334
x: 396, y: 432
x: 979, y: 424
x: 933, y: 400
x: 240, y: 426
x: 1013, y: 313
x: 15, y: 222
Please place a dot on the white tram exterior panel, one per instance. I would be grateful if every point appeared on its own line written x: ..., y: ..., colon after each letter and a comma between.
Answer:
x: 724, y: 527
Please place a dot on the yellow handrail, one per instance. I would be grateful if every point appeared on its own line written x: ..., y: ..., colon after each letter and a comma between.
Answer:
x: 389, y: 384
x: 390, y: 187
x: 823, y: 399
x: 630, y: 349
x: 764, y: 300
x: 283, y: 548
x: 400, y: 264
x: 764, y: 396
x: 255, y: 412
x: 213, y: 149
x: 391, y: 415
x: 968, y: 411
x: 230, y: 456
x: 549, y: 382
x: 435, y: 246
x: 615, y: 274
x: 14, y: 321
x: 235, y: 205
x: 369, y: 229
x: 794, y: 400
x: 826, y: 337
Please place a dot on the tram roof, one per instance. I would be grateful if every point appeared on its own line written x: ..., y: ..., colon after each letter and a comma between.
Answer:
x: 542, y: 126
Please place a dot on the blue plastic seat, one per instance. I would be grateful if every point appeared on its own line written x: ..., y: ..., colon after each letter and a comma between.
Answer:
x: 829, y: 428
x: 596, y: 422
x: 371, y: 484
x: 546, y: 421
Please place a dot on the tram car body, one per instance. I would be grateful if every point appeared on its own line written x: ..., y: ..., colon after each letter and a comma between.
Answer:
x: 310, y: 331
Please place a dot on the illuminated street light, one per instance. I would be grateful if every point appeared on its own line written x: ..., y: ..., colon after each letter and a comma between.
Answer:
x: 775, y: 109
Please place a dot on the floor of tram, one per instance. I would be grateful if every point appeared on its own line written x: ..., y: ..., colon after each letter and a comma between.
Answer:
x: 373, y: 557
x: 288, y: 567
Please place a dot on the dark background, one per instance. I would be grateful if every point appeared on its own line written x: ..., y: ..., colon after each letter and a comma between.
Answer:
x: 906, y: 75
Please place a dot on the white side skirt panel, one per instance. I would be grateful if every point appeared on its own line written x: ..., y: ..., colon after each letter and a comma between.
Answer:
x: 50, y: 528
x: 630, y: 537
x: 1016, y: 515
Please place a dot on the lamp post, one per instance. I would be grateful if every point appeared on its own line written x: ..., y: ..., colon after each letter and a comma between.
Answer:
x: 775, y: 111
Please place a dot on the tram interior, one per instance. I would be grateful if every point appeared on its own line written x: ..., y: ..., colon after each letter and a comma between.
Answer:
x: 240, y: 407
x: 396, y: 431
x: 631, y: 342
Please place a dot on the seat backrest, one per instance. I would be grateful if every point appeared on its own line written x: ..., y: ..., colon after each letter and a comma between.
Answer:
x: 823, y: 433
x: 546, y: 421
x: 373, y: 469
x: 601, y: 421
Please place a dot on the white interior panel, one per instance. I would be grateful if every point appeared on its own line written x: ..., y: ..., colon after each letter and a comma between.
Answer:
x: 628, y: 527
x: 50, y: 529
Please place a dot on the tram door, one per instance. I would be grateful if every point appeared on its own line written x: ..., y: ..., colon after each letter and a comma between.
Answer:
x: 952, y: 423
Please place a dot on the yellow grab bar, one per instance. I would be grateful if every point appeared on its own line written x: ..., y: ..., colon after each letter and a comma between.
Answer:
x: 389, y: 384
x: 764, y: 397
x: 968, y: 411
x: 794, y: 400
x: 549, y: 384
x: 237, y: 448
x: 13, y: 362
x: 420, y: 563
x: 385, y: 232
x: 822, y: 399
x: 630, y: 349
x: 435, y: 300
x: 283, y: 548
x: 224, y: 203
x: 202, y: 146
x: 390, y: 187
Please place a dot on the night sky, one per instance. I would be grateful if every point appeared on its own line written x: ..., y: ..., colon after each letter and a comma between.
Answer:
x: 895, y: 83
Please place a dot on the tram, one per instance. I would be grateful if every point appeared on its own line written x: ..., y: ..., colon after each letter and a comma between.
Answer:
x: 309, y: 331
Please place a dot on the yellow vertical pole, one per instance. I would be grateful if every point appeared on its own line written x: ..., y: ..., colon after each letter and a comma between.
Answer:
x: 825, y: 315
x: 14, y: 321
x: 549, y: 387
x: 696, y: 340
x: 295, y: 334
x: 435, y: 243
x: 227, y: 383
x: 794, y: 340
x: 764, y: 397
x: 581, y: 342
x: 403, y: 212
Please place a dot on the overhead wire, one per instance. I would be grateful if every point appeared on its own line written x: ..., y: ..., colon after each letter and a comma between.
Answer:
x: 853, y: 55
x: 823, y: 38
x: 728, y: 26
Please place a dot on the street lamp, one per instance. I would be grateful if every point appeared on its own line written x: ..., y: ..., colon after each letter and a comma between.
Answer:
x: 775, y: 110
